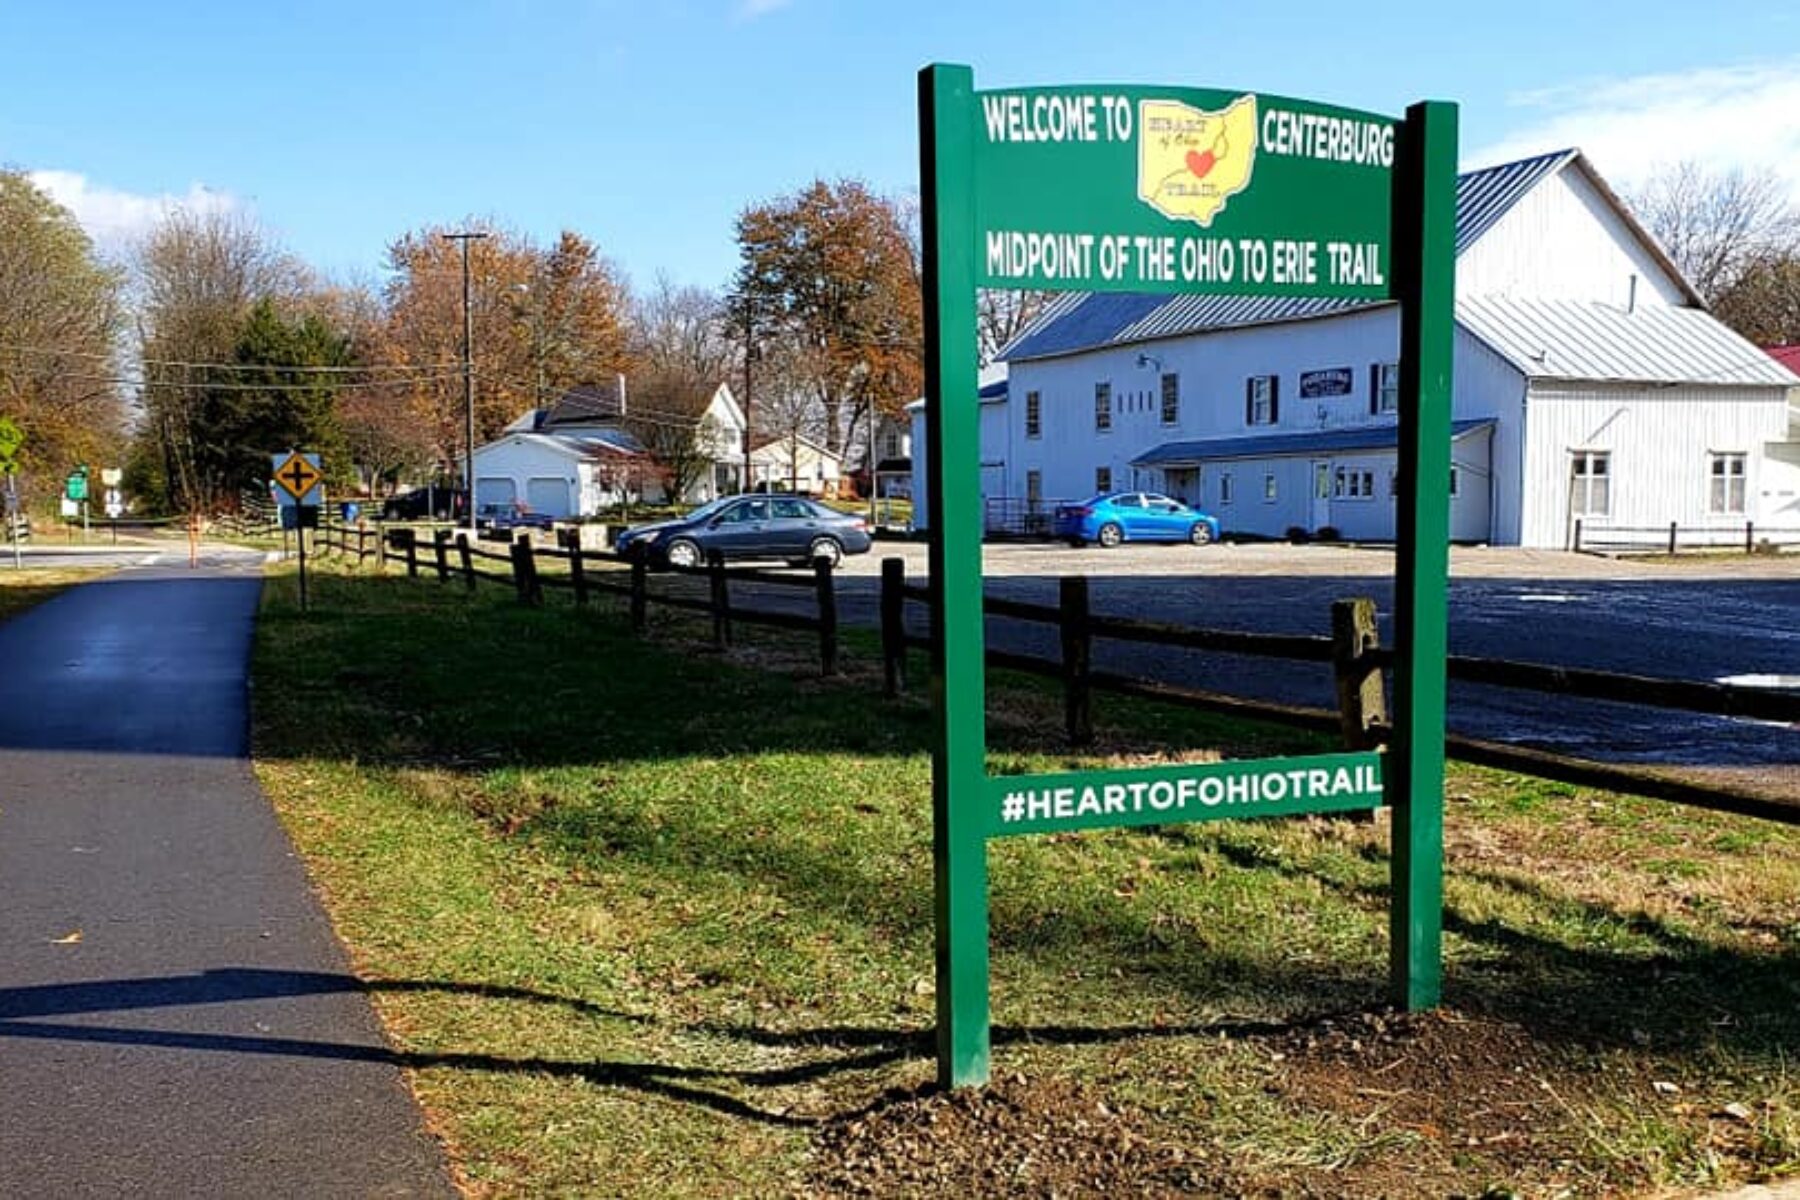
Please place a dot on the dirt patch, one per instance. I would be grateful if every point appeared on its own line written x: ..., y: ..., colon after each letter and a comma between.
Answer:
x: 1049, y: 1137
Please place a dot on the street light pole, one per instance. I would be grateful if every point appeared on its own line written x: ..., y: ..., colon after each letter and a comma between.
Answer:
x: 468, y: 356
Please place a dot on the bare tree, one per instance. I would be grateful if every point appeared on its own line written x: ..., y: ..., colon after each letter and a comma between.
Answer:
x: 682, y: 332
x: 1715, y: 224
x: 1001, y: 316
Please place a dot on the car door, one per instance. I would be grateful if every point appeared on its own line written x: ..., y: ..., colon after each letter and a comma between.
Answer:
x: 746, y: 534
x: 793, y: 525
x: 1167, y: 520
x: 1132, y: 516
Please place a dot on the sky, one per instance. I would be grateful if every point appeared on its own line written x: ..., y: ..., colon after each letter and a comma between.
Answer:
x: 649, y: 126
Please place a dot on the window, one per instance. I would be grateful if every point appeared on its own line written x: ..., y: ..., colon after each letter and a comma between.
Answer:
x: 1269, y: 486
x: 1034, y: 415
x: 1353, y: 484
x: 1725, y: 477
x: 1171, y: 398
x: 1384, y: 388
x: 1103, y: 479
x: 794, y: 510
x: 1103, y: 406
x: 1225, y: 488
x: 1034, y: 488
x: 1590, y: 488
x: 890, y: 444
x: 1262, y: 400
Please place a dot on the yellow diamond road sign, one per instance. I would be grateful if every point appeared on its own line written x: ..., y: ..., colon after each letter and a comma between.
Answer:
x: 297, y: 477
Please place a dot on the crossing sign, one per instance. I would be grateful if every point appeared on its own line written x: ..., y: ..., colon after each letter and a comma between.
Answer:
x: 297, y: 478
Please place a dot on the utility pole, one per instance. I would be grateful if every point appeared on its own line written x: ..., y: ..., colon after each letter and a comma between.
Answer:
x: 749, y: 353
x: 468, y: 356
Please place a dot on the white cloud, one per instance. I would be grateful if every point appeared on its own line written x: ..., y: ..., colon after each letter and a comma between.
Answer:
x: 115, y: 218
x: 1720, y: 117
x: 749, y: 10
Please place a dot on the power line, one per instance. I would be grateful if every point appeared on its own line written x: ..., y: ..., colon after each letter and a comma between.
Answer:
x: 47, y: 352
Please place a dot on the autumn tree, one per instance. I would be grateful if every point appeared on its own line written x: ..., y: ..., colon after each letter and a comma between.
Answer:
x: 1716, y: 224
x: 60, y: 313
x: 545, y: 319
x: 1763, y: 302
x: 666, y: 413
x: 197, y: 278
x: 828, y: 280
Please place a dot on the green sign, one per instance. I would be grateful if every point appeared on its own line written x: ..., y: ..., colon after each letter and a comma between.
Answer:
x: 12, y: 439
x: 76, y: 487
x: 1179, y: 190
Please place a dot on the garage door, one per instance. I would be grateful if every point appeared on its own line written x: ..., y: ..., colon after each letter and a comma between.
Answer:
x: 495, y: 491
x: 548, y: 496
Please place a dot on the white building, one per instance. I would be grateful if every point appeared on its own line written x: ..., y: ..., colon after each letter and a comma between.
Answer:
x: 1590, y: 385
x: 579, y: 457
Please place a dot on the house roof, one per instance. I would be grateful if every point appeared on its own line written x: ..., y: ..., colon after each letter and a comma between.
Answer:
x: 596, y: 443
x: 1277, y: 445
x: 1787, y: 356
x: 1655, y: 343
x: 583, y: 404
x: 1079, y: 321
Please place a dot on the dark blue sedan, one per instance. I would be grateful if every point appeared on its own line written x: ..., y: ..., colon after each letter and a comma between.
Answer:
x: 1133, y: 517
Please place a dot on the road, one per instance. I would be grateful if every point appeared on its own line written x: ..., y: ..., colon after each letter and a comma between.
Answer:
x: 1687, y: 621
x: 176, y: 1016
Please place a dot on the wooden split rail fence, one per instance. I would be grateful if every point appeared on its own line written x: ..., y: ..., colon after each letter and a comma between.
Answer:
x: 1352, y: 652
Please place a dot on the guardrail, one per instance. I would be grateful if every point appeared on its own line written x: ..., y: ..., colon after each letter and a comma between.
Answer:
x: 1352, y: 653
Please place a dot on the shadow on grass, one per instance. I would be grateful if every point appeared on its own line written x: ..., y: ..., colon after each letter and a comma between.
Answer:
x: 22, y: 1013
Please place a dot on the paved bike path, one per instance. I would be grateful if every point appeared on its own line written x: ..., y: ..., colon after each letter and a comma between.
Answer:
x: 176, y: 1016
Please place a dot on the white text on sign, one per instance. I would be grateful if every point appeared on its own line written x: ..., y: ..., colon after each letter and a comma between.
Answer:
x: 1077, y: 258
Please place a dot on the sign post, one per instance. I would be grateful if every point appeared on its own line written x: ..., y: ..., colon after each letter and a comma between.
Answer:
x: 299, y: 491
x: 1174, y: 191
x: 12, y: 439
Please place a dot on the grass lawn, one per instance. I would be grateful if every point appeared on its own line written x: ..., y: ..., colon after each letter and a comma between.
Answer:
x: 20, y: 589
x: 646, y: 919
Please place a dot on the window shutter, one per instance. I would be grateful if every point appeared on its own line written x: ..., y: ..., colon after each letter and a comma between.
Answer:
x: 1250, y: 401
x: 1274, y: 399
x: 1374, y: 389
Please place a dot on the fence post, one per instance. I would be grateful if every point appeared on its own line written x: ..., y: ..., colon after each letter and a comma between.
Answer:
x: 571, y: 541
x: 362, y: 544
x: 440, y: 546
x: 1749, y: 537
x: 893, y: 626
x: 381, y: 547
x: 1578, y: 535
x: 640, y: 573
x: 1362, y: 705
x: 1077, y: 654
x: 1671, y: 539
x: 525, y: 572
x: 720, y: 600
x: 467, y: 559
x: 412, y: 553
x: 828, y: 616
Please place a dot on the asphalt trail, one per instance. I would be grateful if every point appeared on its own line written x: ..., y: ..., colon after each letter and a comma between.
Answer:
x: 176, y: 1016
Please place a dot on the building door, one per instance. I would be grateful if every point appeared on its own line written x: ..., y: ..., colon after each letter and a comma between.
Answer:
x: 1321, y: 495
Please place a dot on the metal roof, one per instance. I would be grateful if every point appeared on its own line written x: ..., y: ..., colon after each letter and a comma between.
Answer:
x: 1655, y: 343
x: 1279, y: 445
x: 1078, y: 321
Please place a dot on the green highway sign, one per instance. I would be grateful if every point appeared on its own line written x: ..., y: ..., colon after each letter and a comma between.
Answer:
x: 1179, y: 190
x: 75, y: 488
x: 1146, y: 189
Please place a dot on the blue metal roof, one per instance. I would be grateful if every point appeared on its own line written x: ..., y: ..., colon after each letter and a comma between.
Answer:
x: 1087, y: 321
x: 1274, y: 445
x: 993, y: 391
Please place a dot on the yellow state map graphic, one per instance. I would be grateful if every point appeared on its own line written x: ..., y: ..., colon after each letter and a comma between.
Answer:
x: 1191, y: 161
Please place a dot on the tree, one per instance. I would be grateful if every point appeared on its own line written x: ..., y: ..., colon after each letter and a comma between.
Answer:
x: 683, y: 331
x: 60, y: 315
x: 1715, y: 224
x: 829, y: 278
x: 545, y: 320
x: 1763, y: 302
x: 1001, y: 316
x: 198, y: 275
x: 666, y: 413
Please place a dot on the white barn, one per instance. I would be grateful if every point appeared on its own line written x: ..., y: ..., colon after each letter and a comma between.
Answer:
x: 1590, y: 385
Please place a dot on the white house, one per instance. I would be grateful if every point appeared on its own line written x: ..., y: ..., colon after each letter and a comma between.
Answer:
x: 1590, y: 384
x: 795, y: 463
x: 579, y: 456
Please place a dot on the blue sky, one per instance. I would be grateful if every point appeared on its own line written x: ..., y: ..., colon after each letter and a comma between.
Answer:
x: 649, y: 126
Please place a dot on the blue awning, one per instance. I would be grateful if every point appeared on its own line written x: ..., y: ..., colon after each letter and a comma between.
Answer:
x: 1278, y: 445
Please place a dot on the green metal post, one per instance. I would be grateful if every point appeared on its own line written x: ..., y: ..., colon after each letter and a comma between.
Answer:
x: 947, y: 128
x: 1424, y: 256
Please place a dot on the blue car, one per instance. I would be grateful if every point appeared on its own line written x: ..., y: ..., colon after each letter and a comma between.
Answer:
x: 1133, y: 517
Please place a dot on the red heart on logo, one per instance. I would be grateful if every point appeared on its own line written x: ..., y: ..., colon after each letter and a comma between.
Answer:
x: 1200, y: 163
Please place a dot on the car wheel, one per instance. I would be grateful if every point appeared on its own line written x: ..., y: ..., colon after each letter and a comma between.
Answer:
x: 827, y: 549
x: 1110, y: 535
x: 1200, y: 534
x: 683, y: 553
